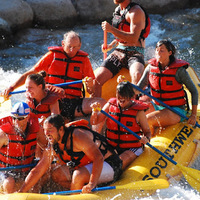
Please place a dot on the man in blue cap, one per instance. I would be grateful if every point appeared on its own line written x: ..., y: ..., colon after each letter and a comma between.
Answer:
x: 18, y: 141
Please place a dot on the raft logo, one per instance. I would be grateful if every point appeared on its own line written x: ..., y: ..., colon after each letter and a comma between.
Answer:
x: 171, y: 150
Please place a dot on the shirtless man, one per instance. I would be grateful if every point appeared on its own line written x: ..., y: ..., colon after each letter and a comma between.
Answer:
x: 91, y: 159
x: 130, y: 26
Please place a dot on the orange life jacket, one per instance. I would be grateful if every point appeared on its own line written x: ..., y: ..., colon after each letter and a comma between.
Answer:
x: 64, y: 69
x: 119, y: 21
x: 43, y: 108
x: 20, y: 149
x: 164, y: 85
x: 78, y: 159
x: 117, y: 136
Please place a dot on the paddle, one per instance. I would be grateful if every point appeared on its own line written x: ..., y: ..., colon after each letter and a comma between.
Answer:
x: 17, y: 167
x: 162, y: 103
x: 105, y: 44
x: 138, y: 185
x: 58, y: 85
x: 191, y: 175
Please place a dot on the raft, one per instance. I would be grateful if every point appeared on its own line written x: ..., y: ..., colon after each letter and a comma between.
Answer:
x: 180, y: 142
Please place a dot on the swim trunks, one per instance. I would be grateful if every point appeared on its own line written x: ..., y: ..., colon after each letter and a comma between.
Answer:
x: 68, y: 107
x: 123, y: 56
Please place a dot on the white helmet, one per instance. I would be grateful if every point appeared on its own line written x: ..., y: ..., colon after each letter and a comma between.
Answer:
x: 20, y: 109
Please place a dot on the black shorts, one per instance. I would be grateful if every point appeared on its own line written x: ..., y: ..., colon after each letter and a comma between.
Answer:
x: 122, y: 58
x: 136, y: 150
x: 68, y: 107
x: 116, y: 163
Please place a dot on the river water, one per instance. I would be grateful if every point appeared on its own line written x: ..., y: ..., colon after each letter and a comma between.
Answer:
x: 181, y: 27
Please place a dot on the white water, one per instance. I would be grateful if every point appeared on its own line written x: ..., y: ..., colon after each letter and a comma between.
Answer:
x: 182, y: 28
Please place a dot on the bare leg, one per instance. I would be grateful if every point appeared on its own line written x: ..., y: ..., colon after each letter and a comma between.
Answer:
x: 102, y: 75
x: 80, y: 178
x: 162, y: 118
x: 61, y: 175
x: 136, y: 71
x: 9, y: 185
x: 127, y: 157
x: 151, y: 108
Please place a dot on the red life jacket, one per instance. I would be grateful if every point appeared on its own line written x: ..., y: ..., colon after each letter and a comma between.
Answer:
x: 43, y: 108
x: 20, y: 149
x: 117, y: 136
x: 5, y: 120
x: 78, y: 159
x: 119, y: 21
x: 164, y: 85
x: 64, y: 69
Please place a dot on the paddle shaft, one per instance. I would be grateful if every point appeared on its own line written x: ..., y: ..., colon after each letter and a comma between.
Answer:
x: 191, y: 175
x: 162, y: 103
x: 137, y: 185
x: 105, y: 44
x: 17, y: 167
x: 137, y: 136
x: 79, y: 191
x: 58, y: 85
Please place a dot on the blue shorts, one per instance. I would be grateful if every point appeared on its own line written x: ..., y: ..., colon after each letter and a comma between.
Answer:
x: 182, y: 111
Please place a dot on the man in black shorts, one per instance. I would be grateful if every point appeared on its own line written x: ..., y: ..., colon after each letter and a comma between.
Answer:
x: 130, y: 26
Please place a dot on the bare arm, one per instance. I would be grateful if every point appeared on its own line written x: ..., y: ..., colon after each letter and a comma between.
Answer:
x: 136, y: 18
x: 18, y: 83
x: 55, y: 108
x: 84, y: 142
x: 141, y: 118
x: 110, y: 46
x: 3, y: 139
x: 96, y: 116
x: 143, y: 82
x: 42, y: 64
x: 38, y: 171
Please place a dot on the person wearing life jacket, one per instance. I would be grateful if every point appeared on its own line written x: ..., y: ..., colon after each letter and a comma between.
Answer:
x: 18, y: 140
x: 130, y: 113
x: 43, y: 99
x: 166, y: 76
x: 63, y: 64
x: 130, y: 26
x: 76, y: 146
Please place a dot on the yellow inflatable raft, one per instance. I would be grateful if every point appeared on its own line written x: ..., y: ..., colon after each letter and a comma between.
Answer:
x: 180, y: 142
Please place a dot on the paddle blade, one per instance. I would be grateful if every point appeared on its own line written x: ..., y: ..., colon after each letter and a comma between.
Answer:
x: 146, y: 185
x: 192, y: 176
x: 5, y: 107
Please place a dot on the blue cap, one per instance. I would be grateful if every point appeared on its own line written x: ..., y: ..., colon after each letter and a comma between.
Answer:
x: 20, y: 109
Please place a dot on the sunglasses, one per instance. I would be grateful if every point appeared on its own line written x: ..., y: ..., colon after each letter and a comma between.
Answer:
x: 19, y: 118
